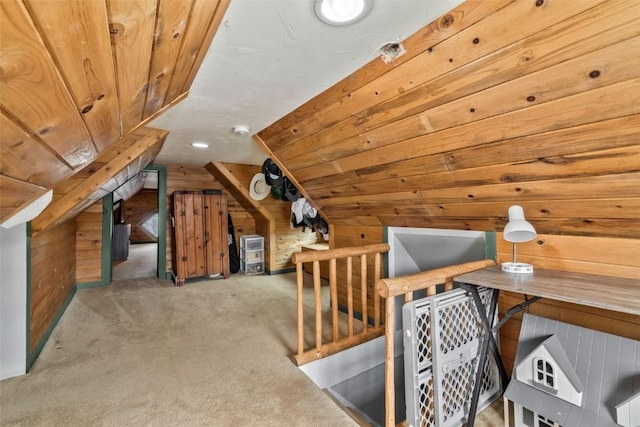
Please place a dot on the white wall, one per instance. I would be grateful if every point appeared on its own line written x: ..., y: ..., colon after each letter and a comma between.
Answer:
x: 13, y: 301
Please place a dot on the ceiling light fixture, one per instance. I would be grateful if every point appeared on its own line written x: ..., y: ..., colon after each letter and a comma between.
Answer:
x: 342, y: 12
x: 200, y: 144
x: 242, y: 130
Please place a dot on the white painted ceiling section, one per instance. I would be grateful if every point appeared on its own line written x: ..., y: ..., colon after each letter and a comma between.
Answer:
x: 268, y: 58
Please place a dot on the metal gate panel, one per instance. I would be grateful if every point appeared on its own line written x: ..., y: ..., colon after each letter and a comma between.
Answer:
x: 441, y: 340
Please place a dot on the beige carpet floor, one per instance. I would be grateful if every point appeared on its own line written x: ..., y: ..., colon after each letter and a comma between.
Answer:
x: 145, y: 353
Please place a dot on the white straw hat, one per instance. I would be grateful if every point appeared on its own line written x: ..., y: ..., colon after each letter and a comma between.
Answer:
x: 258, y: 189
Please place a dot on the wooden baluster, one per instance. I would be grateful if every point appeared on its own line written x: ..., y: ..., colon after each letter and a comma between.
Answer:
x: 318, y: 302
x: 448, y: 285
x: 376, y: 296
x: 408, y: 297
x: 389, y: 380
x: 333, y: 287
x: 363, y: 292
x: 350, y: 294
x: 299, y: 281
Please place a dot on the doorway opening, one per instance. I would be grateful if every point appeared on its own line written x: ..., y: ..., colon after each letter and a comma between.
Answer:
x: 135, y: 228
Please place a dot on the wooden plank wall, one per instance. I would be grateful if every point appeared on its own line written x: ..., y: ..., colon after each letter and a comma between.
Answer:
x: 496, y: 103
x: 53, y: 276
x: 136, y: 210
x: 285, y: 240
x: 89, y: 244
x: 104, y: 68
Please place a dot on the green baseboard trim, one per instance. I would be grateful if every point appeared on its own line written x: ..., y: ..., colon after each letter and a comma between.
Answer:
x: 343, y: 308
x: 91, y: 285
x: 32, y: 356
x: 282, y: 271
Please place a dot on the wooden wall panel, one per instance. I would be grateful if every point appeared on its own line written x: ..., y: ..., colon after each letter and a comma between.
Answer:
x: 88, y: 249
x: 53, y: 271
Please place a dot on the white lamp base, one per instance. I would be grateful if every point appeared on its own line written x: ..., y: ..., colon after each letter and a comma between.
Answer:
x: 517, y: 267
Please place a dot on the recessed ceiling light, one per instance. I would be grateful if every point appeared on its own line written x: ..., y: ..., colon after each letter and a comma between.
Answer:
x: 342, y: 12
x: 200, y: 144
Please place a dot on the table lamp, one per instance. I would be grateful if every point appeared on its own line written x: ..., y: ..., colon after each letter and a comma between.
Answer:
x: 517, y: 230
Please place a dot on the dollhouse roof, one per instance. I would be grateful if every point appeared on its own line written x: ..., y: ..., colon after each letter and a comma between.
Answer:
x: 556, y: 351
x: 607, y: 366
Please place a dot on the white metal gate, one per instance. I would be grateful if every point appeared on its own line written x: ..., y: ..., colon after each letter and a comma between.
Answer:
x: 441, y: 340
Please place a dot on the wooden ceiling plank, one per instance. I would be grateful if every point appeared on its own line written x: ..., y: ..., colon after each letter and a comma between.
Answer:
x: 534, y: 209
x: 24, y: 158
x: 86, y: 64
x: 595, y: 105
x: 14, y: 194
x: 456, y: 52
x: 297, y: 122
x: 132, y: 24
x: 33, y: 90
x: 218, y: 15
x: 593, y: 163
x: 93, y: 184
x: 554, y: 189
x: 169, y: 32
x: 200, y: 19
x: 431, y: 65
x: 612, y: 133
x: 612, y: 64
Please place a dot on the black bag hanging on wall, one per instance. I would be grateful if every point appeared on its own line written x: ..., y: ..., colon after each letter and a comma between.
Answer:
x: 234, y: 258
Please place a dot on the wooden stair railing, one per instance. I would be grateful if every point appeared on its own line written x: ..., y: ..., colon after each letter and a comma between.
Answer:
x: 338, y: 343
x: 407, y: 285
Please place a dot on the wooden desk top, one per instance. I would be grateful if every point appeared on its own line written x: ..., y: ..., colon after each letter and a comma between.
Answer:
x: 610, y: 293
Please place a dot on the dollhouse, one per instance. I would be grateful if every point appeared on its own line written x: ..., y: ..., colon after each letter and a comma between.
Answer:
x: 566, y: 375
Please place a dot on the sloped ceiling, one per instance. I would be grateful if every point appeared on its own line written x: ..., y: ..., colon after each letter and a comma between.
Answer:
x: 268, y: 58
x: 78, y: 76
x: 496, y: 103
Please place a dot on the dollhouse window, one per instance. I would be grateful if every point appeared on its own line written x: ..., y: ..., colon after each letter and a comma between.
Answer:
x: 542, y: 421
x: 544, y: 373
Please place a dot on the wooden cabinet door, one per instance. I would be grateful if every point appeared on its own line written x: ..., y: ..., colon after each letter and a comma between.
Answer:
x: 201, y: 247
x: 216, y: 235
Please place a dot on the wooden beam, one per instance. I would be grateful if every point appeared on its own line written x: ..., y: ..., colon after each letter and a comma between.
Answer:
x: 15, y: 194
x: 77, y: 195
x: 288, y: 174
x: 238, y: 190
